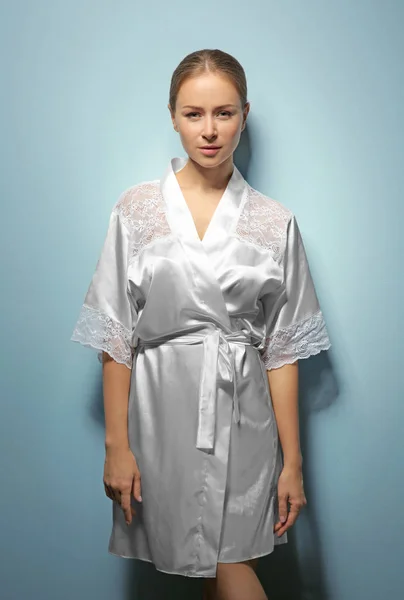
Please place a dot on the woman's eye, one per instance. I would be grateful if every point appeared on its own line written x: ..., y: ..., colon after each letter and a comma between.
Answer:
x: 222, y: 113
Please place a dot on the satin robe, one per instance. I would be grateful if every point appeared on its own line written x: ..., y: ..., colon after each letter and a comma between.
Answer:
x: 199, y: 323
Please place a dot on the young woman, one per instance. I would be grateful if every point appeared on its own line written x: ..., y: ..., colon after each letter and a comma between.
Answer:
x: 202, y: 303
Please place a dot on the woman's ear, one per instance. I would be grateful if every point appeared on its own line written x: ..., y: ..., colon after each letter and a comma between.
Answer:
x: 172, y: 115
x: 246, y: 110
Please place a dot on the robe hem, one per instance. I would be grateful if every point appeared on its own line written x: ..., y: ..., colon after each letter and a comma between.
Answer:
x: 196, y: 575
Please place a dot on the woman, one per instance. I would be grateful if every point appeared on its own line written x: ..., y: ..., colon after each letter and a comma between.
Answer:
x: 202, y: 303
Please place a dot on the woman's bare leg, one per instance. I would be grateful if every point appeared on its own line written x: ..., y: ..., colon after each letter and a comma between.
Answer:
x: 235, y: 581
x: 209, y: 589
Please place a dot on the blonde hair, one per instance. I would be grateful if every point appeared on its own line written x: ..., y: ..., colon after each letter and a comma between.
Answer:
x: 205, y: 60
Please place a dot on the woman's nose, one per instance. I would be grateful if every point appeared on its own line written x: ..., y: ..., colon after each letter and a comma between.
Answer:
x: 209, y: 127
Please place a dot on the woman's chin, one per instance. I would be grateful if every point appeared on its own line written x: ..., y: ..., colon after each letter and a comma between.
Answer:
x: 209, y: 162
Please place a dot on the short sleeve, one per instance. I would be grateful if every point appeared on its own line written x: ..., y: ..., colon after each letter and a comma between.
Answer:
x: 295, y: 326
x: 106, y: 316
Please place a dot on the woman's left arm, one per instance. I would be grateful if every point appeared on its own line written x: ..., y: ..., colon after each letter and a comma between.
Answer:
x: 284, y: 384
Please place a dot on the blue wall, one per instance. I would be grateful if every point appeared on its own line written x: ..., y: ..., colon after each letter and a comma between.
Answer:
x: 84, y: 116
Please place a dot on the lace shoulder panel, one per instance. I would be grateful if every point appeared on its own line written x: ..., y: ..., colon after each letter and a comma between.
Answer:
x: 142, y: 209
x: 263, y: 222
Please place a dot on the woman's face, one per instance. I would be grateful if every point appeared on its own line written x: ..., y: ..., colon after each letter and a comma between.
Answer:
x: 208, y: 112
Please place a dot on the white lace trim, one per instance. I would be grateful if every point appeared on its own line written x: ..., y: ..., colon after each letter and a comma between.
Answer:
x: 298, y: 341
x: 142, y: 209
x: 263, y: 222
x: 97, y: 330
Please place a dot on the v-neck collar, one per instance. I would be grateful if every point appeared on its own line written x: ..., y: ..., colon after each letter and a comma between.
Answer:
x: 182, y: 221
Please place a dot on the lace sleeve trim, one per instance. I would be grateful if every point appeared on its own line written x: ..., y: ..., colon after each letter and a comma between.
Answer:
x: 298, y: 341
x: 97, y: 330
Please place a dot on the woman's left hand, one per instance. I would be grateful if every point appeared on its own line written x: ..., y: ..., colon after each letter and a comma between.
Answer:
x: 290, y: 489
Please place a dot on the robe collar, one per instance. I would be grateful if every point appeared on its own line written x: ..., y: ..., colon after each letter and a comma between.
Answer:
x: 180, y: 217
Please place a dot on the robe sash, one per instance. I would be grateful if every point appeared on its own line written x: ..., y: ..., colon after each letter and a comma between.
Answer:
x: 219, y: 359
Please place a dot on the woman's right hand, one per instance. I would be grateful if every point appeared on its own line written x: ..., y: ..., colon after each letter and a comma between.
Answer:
x: 121, y: 479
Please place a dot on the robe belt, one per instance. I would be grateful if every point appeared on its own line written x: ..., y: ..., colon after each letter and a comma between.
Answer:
x: 217, y: 354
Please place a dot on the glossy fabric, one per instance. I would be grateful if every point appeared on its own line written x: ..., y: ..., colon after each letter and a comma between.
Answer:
x: 199, y: 322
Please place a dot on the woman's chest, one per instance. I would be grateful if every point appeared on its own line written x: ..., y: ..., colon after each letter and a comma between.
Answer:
x: 231, y: 272
x: 190, y: 246
x: 202, y: 208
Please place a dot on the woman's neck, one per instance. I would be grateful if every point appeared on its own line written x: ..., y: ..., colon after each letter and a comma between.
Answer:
x: 206, y: 180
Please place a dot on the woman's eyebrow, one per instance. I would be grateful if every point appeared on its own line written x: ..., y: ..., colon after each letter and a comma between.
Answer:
x: 215, y: 108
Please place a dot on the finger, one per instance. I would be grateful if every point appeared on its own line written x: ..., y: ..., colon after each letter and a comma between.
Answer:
x: 126, y: 507
x: 113, y: 494
x: 108, y: 491
x: 137, y: 489
x: 116, y: 495
x: 292, y: 518
x: 283, y: 509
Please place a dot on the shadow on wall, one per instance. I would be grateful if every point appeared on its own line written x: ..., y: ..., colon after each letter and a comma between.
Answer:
x: 285, y: 574
x: 242, y: 155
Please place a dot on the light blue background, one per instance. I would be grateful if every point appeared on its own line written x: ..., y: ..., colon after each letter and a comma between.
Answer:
x: 83, y: 111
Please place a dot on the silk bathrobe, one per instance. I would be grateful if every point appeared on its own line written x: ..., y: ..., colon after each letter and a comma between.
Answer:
x: 199, y: 323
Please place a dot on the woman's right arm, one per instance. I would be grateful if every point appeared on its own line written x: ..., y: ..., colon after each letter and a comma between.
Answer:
x: 121, y: 473
x: 116, y: 382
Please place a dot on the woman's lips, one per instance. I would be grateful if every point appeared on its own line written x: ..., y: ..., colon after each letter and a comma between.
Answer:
x: 210, y: 151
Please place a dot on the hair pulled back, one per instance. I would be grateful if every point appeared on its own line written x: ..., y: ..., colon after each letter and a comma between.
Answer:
x: 214, y: 61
